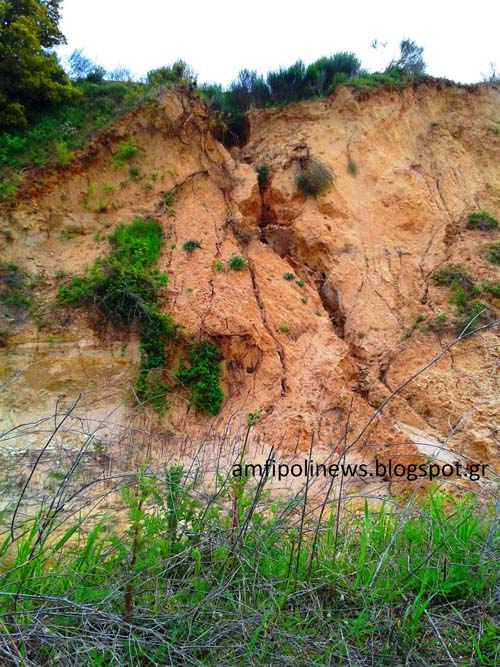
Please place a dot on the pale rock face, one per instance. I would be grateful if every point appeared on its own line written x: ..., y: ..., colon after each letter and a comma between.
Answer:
x: 311, y: 358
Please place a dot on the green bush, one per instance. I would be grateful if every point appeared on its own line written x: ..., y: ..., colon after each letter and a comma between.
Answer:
x: 202, y: 377
x: 313, y: 177
x: 236, y: 262
x: 482, y: 220
x: 191, y: 245
x: 288, y: 276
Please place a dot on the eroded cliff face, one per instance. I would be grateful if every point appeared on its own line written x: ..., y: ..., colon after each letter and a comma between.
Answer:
x: 320, y: 356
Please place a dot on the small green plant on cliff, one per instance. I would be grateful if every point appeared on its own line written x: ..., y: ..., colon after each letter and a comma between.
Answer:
x: 124, y: 287
x: 313, y: 177
x: 494, y: 290
x: 236, y: 262
x: 450, y: 273
x: 494, y: 253
x: 202, y: 376
x: 482, y: 220
x: 288, y: 276
x: 191, y: 245
x: 463, y: 291
x: 419, y: 318
x: 126, y: 151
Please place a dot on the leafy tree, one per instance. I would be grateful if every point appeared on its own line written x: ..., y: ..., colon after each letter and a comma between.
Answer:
x: 327, y: 71
x: 288, y: 84
x: 410, y: 58
x: 30, y: 76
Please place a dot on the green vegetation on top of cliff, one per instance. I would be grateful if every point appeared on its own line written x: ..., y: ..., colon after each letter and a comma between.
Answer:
x: 57, y: 123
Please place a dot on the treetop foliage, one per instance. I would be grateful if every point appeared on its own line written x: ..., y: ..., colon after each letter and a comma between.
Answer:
x: 30, y: 77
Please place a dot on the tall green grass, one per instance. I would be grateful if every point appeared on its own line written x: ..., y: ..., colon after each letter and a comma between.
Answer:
x: 234, y: 577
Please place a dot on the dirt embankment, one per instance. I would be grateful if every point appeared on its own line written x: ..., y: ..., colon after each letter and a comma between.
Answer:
x: 322, y: 351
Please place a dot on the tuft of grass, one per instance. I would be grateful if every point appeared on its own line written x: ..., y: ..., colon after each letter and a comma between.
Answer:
x: 236, y: 262
x: 437, y: 323
x: 312, y: 177
x: 218, y: 265
x: 420, y: 317
x: 482, y: 220
x: 191, y: 245
x: 288, y: 276
x: 126, y: 151
x: 474, y: 316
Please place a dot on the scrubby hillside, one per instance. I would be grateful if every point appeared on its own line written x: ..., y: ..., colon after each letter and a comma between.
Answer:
x: 320, y: 306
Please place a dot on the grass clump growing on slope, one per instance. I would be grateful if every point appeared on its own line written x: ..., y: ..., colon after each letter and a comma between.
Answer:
x: 202, y: 376
x: 313, y: 177
x: 471, y: 312
x: 236, y: 262
x: 482, y: 220
x: 123, y: 287
x: 191, y: 245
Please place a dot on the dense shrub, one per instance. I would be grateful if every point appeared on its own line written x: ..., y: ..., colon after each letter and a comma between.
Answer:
x: 236, y: 262
x: 191, y: 245
x: 313, y: 177
x: 202, y: 377
x: 55, y: 133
